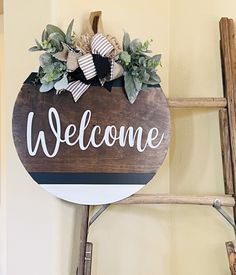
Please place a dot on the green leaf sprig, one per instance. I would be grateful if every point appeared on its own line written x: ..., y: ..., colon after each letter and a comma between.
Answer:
x: 140, y: 68
x: 52, y: 39
x: 51, y: 70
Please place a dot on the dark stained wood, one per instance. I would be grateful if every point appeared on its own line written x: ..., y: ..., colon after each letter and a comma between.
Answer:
x: 95, y: 21
x: 83, y: 239
x: 108, y: 108
x: 88, y: 259
x: 228, y: 55
x: 95, y: 24
x: 231, y: 256
x: 226, y: 152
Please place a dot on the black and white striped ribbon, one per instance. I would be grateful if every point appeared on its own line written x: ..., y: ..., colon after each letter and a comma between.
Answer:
x: 99, y: 45
x: 77, y: 88
x: 87, y: 66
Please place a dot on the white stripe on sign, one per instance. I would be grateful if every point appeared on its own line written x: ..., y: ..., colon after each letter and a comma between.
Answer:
x: 100, y: 45
x: 77, y: 88
x: 87, y: 66
x: 88, y: 193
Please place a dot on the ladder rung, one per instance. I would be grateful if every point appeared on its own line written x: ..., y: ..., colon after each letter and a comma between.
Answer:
x: 205, y: 102
x: 177, y: 199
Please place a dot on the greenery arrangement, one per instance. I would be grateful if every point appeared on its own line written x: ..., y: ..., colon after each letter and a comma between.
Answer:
x: 52, y: 70
x: 140, y: 69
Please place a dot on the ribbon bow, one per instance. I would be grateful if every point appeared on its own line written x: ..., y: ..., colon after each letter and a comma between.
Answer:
x: 92, y: 67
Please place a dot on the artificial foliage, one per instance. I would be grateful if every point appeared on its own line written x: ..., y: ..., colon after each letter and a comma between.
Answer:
x: 140, y: 69
x: 59, y: 48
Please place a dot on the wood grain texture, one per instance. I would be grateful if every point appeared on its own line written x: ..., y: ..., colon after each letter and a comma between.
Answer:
x: 206, y: 102
x: 231, y: 256
x: 177, y: 199
x: 88, y: 259
x: 226, y: 152
x: 229, y: 79
x: 228, y: 57
x: 108, y: 108
x: 83, y: 238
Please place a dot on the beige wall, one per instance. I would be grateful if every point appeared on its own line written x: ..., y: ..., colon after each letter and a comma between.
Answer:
x: 198, y: 233
x: 130, y: 240
x: 35, y: 237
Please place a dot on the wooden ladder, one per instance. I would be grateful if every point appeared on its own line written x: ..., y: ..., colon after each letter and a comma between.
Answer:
x: 227, y: 122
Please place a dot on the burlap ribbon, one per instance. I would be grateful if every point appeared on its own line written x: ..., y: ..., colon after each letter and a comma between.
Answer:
x: 96, y: 65
x: 88, y: 68
x: 93, y: 65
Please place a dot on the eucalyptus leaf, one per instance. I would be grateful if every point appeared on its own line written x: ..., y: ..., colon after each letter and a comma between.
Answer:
x: 50, y: 75
x: 157, y: 58
x: 141, y: 60
x: 38, y: 45
x: 34, y: 49
x: 152, y: 81
x: 145, y: 77
x: 56, y: 36
x: 45, y: 59
x: 154, y: 61
x: 61, y: 84
x: 137, y: 83
x: 130, y: 89
x: 156, y: 77
x: 46, y: 87
x: 56, y: 39
x: 126, y: 42
x: 44, y: 35
x: 54, y: 29
x: 68, y: 32
x: 140, y: 68
x: 145, y: 45
x: 135, y: 45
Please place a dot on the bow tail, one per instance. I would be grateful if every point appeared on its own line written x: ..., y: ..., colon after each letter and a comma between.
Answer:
x: 77, y: 88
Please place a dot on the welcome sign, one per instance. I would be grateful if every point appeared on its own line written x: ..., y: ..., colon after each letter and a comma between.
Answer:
x: 98, y: 150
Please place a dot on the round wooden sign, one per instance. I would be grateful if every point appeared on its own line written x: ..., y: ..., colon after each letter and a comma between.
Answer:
x: 98, y: 150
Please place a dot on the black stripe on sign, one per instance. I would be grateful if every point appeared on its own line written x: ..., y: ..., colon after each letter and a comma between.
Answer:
x: 119, y: 82
x: 92, y: 178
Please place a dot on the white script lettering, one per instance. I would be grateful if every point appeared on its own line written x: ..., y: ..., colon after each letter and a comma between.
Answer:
x: 123, y: 136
